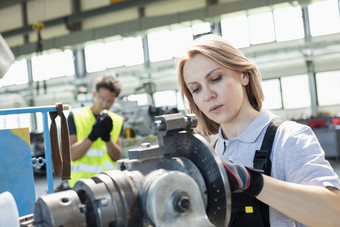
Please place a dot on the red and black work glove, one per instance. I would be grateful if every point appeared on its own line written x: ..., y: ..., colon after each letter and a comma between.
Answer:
x: 97, y: 131
x: 243, y: 179
x: 107, y: 124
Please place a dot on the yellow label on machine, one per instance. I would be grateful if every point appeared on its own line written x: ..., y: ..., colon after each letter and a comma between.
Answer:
x: 249, y: 209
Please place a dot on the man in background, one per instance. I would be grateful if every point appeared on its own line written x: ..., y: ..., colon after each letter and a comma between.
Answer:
x: 95, y: 132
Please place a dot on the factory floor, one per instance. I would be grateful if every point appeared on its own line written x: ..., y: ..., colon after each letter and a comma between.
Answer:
x: 41, y: 187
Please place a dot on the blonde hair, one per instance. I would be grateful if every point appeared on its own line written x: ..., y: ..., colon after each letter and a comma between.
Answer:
x: 219, y: 50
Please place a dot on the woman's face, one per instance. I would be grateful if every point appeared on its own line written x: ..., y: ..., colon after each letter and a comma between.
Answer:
x: 217, y: 91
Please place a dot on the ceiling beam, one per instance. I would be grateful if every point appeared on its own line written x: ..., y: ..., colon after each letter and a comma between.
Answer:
x: 8, y: 3
x: 80, y: 16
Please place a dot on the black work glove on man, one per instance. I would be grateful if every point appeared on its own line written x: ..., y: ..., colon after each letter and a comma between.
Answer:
x: 101, y: 128
x: 107, y: 121
x: 243, y: 179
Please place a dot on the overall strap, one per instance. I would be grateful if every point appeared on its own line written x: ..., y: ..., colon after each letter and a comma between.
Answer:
x: 262, y: 156
x: 262, y: 161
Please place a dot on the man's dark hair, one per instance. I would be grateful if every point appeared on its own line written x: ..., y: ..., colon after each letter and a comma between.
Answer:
x: 109, y: 82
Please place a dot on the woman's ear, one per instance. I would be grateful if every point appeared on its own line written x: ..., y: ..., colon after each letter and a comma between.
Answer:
x: 245, y: 79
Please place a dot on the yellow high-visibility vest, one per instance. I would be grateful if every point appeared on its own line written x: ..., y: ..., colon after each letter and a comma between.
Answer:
x: 97, y: 158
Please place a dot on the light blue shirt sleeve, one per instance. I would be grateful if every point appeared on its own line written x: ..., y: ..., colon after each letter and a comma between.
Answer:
x: 299, y: 158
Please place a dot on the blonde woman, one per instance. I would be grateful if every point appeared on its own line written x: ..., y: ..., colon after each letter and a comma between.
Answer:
x: 295, y: 185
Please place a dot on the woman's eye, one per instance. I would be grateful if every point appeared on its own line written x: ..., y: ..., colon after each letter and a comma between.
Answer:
x: 216, y: 79
x: 195, y: 90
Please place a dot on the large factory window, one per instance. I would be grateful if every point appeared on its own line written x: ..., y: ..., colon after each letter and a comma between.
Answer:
x: 201, y: 28
x: 257, y: 28
x: 165, y: 98
x: 324, y: 17
x: 235, y: 30
x: 166, y: 44
x: 17, y: 74
x: 53, y: 65
x: 295, y: 92
x: 142, y: 99
x: 133, y: 51
x: 327, y: 84
x: 181, y: 38
x: 261, y: 28
x: 288, y: 27
x: 114, y: 52
x: 95, y: 57
x: 272, y: 94
x: 159, y: 48
x: 125, y: 52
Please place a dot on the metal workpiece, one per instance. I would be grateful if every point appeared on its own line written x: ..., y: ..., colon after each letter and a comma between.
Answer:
x: 180, y: 182
x: 174, y: 199
x: 59, y: 209
x: 167, y: 125
x: 174, y: 122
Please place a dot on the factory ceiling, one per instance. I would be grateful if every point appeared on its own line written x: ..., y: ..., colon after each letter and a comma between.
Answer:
x: 77, y: 35
x: 78, y: 16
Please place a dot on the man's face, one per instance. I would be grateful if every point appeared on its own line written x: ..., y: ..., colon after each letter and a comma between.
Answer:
x: 104, y: 99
